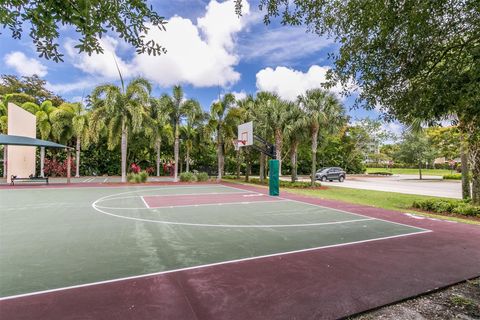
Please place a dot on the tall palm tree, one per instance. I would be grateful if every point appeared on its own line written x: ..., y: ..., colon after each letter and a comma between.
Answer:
x: 159, y: 128
x: 44, y: 124
x: 193, y: 116
x: 177, y: 106
x: 295, y: 131
x: 122, y: 111
x: 262, y: 125
x: 324, y: 114
x: 224, y: 121
x: 277, y: 112
x: 71, y: 120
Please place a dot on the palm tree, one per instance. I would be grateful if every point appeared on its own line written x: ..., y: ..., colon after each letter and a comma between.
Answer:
x: 122, y: 111
x: 295, y: 131
x: 177, y: 106
x: 44, y: 124
x: 324, y: 114
x: 224, y: 121
x: 159, y: 128
x: 71, y: 120
x: 262, y: 125
x: 277, y: 112
x: 194, y: 115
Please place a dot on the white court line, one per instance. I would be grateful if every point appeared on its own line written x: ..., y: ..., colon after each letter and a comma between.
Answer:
x: 145, y: 202
x: 192, y: 205
x: 106, y: 179
x: 205, y: 266
x: 86, y: 180
x: 339, y: 210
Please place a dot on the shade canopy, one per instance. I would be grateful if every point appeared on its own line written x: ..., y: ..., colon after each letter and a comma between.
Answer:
x: 6, y: 139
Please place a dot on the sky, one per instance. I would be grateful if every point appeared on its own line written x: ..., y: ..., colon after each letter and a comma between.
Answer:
x: 211, y: 51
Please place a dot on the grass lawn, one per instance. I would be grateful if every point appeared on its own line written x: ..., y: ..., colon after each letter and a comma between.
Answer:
x: 380, y: 199
x: 428, y: 172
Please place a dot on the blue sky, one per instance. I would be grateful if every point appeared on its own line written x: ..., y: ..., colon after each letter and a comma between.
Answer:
x: 210, y: 51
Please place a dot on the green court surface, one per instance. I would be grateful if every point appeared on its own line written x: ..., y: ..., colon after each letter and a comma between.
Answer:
x: 59, y: 237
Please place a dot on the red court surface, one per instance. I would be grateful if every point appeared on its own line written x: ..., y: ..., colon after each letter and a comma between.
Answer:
x: 199, y: 199
x: 326, y: 283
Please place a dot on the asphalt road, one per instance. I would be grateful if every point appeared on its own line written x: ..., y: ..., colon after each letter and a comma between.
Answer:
x: 409, y: 184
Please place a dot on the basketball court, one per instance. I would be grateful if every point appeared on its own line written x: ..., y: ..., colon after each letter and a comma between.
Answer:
x: 214, y: 251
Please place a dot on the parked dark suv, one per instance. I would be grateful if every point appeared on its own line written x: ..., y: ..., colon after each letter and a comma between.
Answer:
x: 330, y: 174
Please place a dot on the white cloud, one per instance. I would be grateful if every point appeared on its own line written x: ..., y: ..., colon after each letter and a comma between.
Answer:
x: 201, y: 54
x: 282, y: 45
x: 23, y: 65
x: 61, y: 88
x: 289, y: 83
x: 239, y: 95
x: 102, y: 64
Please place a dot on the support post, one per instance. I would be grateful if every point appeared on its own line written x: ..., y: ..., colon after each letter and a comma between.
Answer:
x: 274, y: 179
x: 69, y: 164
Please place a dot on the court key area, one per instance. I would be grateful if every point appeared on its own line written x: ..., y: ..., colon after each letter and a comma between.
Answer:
x: 58, y: 240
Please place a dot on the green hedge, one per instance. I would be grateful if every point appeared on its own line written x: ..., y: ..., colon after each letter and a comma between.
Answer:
x: 455, y: 176
x: 286, y: 184
x: 380, y: 173
x: 193, y: 177
x: 137, y: 177
x: 448, y: 206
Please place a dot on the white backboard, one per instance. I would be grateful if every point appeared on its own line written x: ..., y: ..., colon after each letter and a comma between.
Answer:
x: 245, y: 134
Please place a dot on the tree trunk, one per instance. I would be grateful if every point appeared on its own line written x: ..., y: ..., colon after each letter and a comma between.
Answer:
x: 175, y: 152
x: 314, y: 156
x: 42, y: 162
x: 5, y: 160
x: 124, y: 153
x: 220, y: 160
x: 262, y: 167
x: 158, y: 144
x: 187, y: 165
x: 77, y: 159
x: 294, y: 160
x: 278, y: 150
x: 466, y: 192
x: 238, y: 163
x: 475, y: 162
x: 420, y: 170
x: 248, y: 171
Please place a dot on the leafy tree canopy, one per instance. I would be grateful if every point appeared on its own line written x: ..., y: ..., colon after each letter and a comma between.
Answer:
x: 26, y: 89
x: 90, y: 18
x: 411, y: 58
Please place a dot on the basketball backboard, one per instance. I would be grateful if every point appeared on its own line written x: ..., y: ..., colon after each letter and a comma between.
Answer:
x: 245, y: 134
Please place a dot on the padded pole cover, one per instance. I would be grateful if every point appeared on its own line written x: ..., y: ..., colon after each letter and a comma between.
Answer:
x: 273, y: 178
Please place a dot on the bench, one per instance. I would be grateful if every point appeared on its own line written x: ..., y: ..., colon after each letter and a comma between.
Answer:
x: 29, y: 179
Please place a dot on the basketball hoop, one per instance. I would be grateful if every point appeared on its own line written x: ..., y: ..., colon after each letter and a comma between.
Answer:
x: 237, y: 143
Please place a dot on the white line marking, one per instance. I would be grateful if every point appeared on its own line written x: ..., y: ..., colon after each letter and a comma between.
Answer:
x: 189, y: 205
x: 86, y: 180
x: 146, y: 204
x: 339, y: 210
x: 255, y: 195
x: 106, y: 179
x: 206, y: 265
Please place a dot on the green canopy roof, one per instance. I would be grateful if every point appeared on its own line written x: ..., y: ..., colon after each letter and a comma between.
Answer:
x: 26, y: 141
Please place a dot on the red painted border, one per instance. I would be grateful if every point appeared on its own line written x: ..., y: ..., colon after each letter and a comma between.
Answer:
x: 322, y: 284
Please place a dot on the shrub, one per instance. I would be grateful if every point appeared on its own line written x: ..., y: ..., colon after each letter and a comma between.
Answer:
x: 455, y: 176
x: 448, y: 206
x: 137, y: 177
x: 285, y: 184
x: 188, y: 177
x: 202, y: 176
x: 135, y: 168
x: 380, y: 173
x: 55, y: 168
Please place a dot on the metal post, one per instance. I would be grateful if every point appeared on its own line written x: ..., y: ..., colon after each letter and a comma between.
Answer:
x: 69, y: 162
